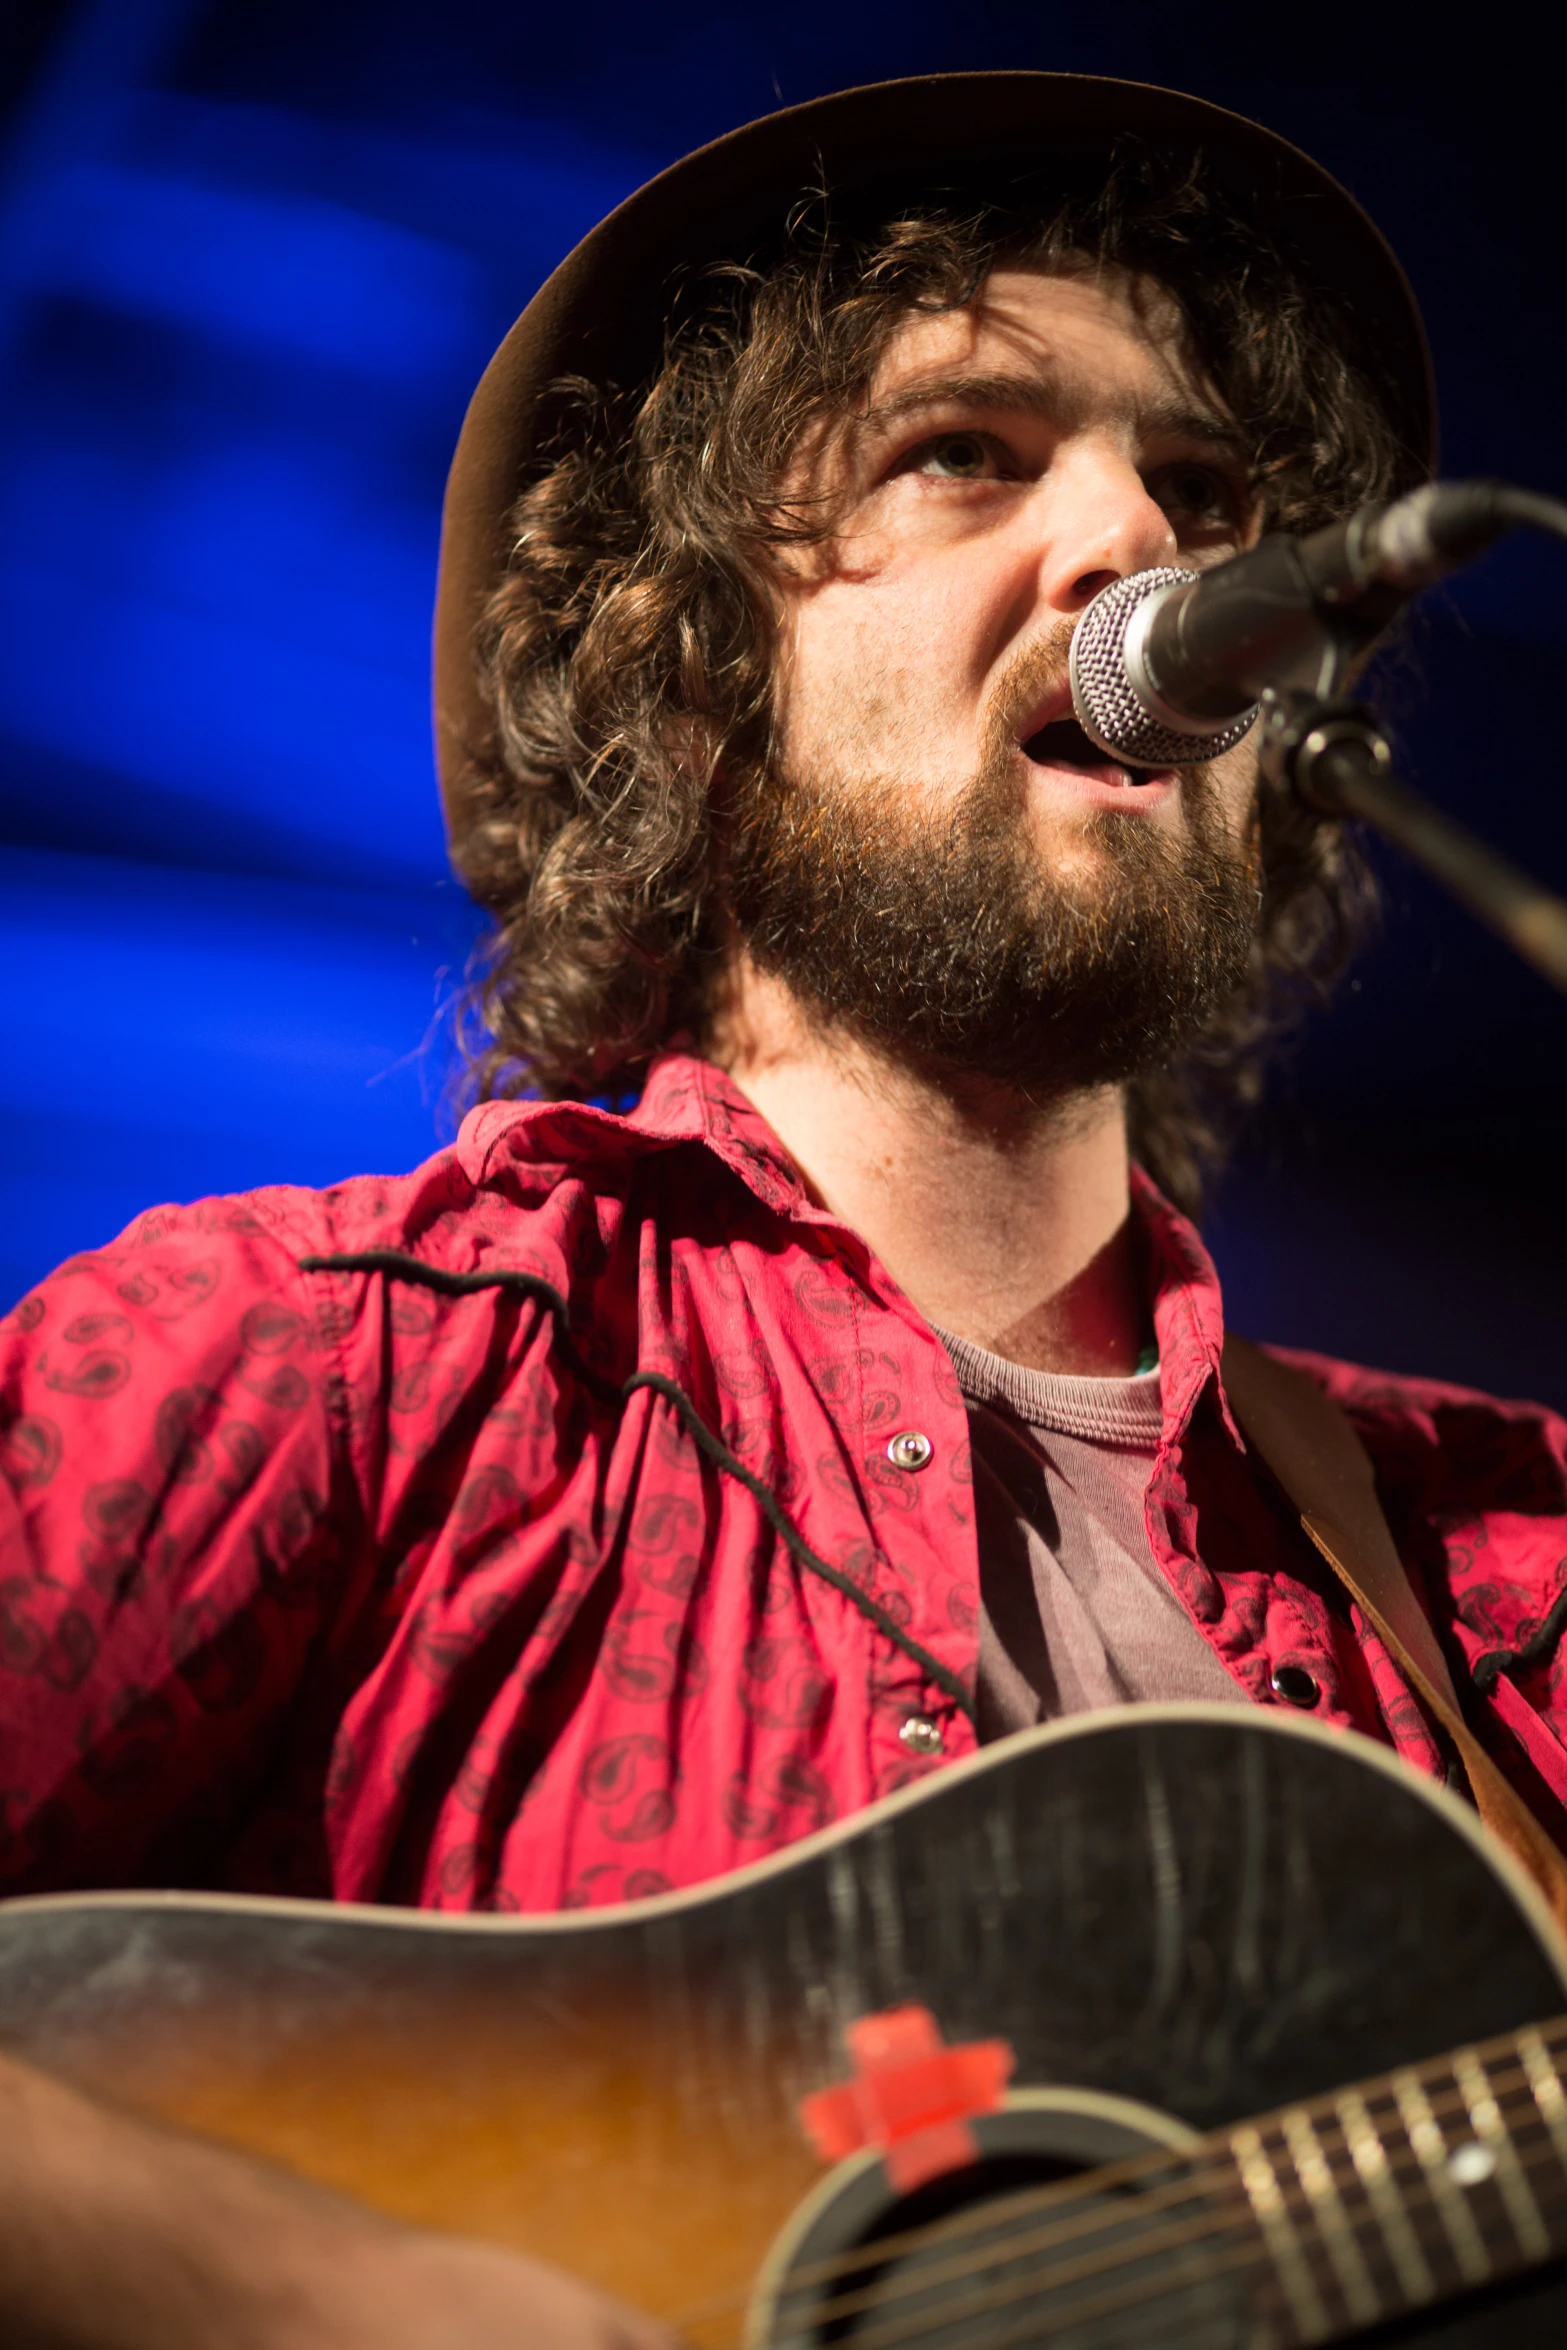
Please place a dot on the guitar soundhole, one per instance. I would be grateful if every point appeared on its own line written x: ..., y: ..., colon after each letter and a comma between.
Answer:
x: 949, y: 2214
x: 976, y: 2260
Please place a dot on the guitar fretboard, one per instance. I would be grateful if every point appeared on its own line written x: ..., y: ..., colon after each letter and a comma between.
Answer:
x: 1404, y: 2191
x: 1304, y: 2225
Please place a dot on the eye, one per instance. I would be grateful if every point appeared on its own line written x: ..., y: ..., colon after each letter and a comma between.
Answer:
x: 955, y: 456
x: 1195, y: 489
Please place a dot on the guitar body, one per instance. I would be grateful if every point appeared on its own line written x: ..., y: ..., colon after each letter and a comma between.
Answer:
x: 1177, y: 1916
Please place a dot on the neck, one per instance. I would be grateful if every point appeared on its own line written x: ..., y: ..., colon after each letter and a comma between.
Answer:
x: 1003, y: 1219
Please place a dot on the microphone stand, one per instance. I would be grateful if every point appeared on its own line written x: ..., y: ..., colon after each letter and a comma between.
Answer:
x: 1337, y: 758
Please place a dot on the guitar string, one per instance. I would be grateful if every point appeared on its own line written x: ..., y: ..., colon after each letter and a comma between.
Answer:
x: 1236, y: 2241
x: 1137, y: 2294
x: 1195, y: 2333
x: 1140, y: 2295
x: 1252, y: 2249
x: 995, y: 2214
x: 1211, y: 2182
x: 1208, y: 2185
x: 1507, y: 2079
x: 874, y: 2296
x: 1129, y: 2300
x: 992, y: 2219
x: 1252, y: 2253
x: 1214, y: 2228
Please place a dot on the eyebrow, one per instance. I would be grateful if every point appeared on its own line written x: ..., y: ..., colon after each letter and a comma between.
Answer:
x: 1056, y: 400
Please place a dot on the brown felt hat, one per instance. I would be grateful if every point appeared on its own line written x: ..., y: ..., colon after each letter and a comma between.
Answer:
x: 1015, y: 136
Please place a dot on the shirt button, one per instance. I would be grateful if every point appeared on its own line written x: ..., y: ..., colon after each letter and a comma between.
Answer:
x: 910, y: 1450
x: 1295, y: 1685
x: 921, y: 1735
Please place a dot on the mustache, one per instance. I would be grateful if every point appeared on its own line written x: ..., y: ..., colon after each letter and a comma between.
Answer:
x: 1035, y: 673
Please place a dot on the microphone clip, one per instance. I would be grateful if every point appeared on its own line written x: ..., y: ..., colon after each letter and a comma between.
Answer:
x: 1334, y: 756
x: 1324, y: 749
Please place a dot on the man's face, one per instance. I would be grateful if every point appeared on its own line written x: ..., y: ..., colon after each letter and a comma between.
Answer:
x: 936, y: 852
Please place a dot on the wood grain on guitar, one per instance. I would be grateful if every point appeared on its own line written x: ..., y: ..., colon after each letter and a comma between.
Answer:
x: 1181, y: 1919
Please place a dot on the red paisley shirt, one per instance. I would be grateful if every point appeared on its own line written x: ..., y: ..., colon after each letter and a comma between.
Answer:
x: 552, y: 1553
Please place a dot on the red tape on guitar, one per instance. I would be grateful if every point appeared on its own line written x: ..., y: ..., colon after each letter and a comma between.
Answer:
x: 911, y: 2097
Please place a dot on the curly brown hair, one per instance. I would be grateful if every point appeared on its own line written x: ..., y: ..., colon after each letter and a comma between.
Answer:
x: 627, y: 654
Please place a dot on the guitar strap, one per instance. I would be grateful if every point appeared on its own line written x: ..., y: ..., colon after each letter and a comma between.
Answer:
x: 1323, y: 1467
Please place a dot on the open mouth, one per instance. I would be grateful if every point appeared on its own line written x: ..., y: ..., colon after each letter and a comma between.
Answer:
x: 1064, y: 744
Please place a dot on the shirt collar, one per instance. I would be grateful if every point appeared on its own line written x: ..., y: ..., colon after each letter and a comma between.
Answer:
x: 690, y: 1099
x: 1186, y: 1302
x: 687, y: 1099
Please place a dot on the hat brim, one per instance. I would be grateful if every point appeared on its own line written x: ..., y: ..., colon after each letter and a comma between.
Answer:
x: 602, y: 313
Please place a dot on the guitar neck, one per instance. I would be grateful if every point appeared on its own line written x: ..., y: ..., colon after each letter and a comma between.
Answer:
x: 1305, y: 2225
x: 1202, y: 1913
x: 1400, y: 2192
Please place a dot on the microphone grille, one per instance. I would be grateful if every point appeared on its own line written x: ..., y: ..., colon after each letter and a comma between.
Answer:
x: 1109, y: 709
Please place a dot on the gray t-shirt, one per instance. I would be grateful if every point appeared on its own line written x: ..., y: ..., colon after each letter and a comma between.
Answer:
x: 1075, y: 1611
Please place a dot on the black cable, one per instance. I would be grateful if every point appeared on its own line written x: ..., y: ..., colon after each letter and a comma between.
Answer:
x: 1487, y: 1670
x: 393, y: 1261
x: 789, y: 1534
x: 400, y: 1267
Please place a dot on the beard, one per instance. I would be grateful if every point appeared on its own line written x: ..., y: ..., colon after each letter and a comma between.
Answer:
x: 953, y: 940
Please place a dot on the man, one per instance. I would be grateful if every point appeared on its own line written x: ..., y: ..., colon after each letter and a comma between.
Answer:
x: 624, y: 1494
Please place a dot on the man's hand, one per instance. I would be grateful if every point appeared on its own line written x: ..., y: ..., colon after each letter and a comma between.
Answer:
x: 404, y: 2291
x: 118, y: 2234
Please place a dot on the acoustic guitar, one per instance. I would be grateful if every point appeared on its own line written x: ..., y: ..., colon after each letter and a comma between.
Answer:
x: 1182, y: 2025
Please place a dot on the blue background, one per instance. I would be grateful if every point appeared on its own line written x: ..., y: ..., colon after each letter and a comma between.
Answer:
x: 254, y: 254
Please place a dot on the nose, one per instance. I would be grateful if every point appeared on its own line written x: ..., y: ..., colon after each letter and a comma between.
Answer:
x: 1100, y: 523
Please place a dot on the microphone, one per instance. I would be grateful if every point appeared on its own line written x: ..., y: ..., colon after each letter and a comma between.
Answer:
x: 1168, y: 666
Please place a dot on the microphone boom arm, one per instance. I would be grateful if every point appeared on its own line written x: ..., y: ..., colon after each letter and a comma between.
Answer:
x: 1337, y: 758
x: 1170, y: 666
